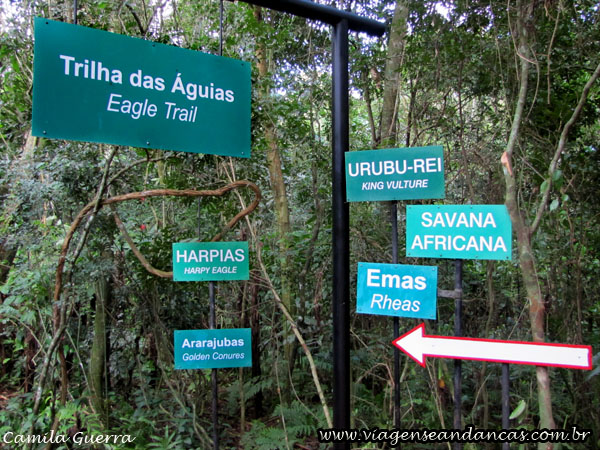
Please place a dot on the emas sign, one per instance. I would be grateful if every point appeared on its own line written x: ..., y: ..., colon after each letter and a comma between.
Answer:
x: 396, y: 290
x: 458, y: 231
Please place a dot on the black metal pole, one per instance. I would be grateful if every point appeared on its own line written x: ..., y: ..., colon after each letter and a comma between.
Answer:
x: 323, y: 13
x: 505, y: 401
x: 212, y: 318
x: 75, y: 8
x: 397, y: 410
x: 213, y: 374
x: 341, y: 234
x: 457, y: 362
x: 342, y: 23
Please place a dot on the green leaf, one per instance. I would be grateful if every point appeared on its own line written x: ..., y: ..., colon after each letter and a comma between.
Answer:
x: 554, y: 204
x: 557, y: 175
x: 544, y: 187
x: 518, y: 410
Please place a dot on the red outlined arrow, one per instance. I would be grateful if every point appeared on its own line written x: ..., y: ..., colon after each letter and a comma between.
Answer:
x: 418, y: 345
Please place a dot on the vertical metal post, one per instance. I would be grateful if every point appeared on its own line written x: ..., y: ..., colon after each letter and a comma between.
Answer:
x: 505, y: 401
x: 212, y: 323
x: 458, y: 363
x: 212, y: 319
x: 213, y: 373
x: 341, y: 234
x: 75, y: 8
x: 397, y: 409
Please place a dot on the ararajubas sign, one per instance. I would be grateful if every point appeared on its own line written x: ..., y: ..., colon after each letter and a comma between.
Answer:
x: 91, y: 85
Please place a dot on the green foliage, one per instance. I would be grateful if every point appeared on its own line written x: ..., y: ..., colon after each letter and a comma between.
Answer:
x: 458, y: 86
x: 300, y: 424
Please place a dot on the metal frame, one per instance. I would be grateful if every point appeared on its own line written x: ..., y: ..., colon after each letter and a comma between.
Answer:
x: 343, y: 22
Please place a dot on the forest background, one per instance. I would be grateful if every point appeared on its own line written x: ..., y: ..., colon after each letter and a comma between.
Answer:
x: 507, y: 87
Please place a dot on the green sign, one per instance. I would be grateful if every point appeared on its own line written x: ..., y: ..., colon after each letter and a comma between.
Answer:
x: 213, y: 349
x: 395, y: 174
x: 91, y: 85
x: 210, y: 261
x: 397, y: 290
x: 458, y: 231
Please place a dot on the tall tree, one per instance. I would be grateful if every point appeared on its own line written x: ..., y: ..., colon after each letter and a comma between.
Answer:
x: 524, y: 228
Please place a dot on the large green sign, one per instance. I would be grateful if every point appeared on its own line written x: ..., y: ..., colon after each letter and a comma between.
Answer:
x: 210, y: 261
x: 458, y: 231
x: 91, y: 85
x: 395, y: 174
x: 396, y: 290
x: 213, y: 349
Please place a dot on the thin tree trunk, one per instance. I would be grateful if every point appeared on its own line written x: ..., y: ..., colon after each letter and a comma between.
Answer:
x: 389, y: 112
x: 98, y: 350
x: 280, y: 200
x: 523, y: 233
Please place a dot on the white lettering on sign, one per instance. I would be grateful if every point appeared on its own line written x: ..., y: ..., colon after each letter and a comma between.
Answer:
x: 458, y: 243
x: 457, y: 220
x: 195, y: 357
x: 96, y: 70
x: 380, y: 301
x: 394, y: 184
x: 181, y: 114
x: 93, y: 70
x: 193, y: 91
x: 394, y: 167
x: 212, y: 343
x: 387, y: 280
x: 228, y: 355
x: 205, y: 255
x: 134, y: 109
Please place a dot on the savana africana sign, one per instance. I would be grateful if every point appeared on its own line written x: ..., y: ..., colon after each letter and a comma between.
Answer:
x: 458, y: 231
x: 91, y: 85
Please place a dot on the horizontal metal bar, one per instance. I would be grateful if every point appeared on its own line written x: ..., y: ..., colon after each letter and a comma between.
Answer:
x: 323, y: 13
x: 456, y: 293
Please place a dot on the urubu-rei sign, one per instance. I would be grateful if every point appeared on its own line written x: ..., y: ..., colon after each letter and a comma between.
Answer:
x: 210, y: 261
x: 458, y: 231
x: 395, y: 174
x: 212, y: 349
x: 91, y: 85
x: 397, y: 290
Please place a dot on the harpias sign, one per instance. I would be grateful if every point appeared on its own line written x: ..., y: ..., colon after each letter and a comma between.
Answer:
x: 95, y: 86
x: 210, y: 261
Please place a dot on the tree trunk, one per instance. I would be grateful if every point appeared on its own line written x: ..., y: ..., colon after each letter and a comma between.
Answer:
x: 98, y: 350
x: 282, y: 212
x: 389, y: 112
x: 522, y: 230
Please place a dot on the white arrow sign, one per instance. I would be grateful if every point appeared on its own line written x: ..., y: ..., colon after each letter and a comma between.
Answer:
x: 417, y: 345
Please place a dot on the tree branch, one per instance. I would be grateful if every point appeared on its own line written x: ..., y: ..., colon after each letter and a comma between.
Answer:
x: 562, y: 142
x: 154, y: 193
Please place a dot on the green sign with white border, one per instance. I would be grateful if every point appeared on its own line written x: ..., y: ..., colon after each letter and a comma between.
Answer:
x: 397, y: 290
x: 92, y: 85
x: 213, y: 349
x: 395, y: 174
x: 210, y: 261
x: 458, y: 232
